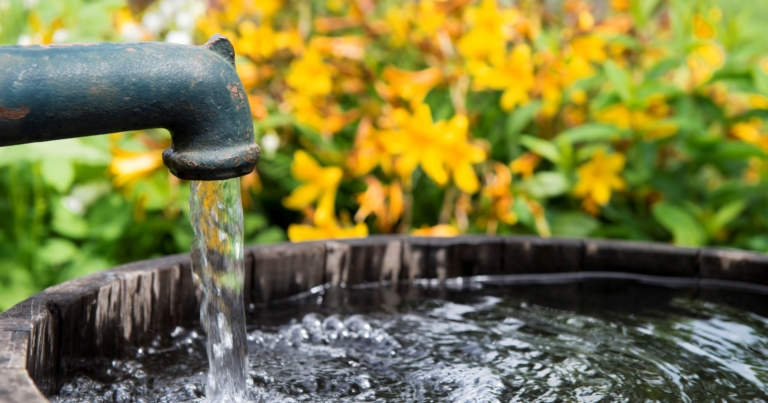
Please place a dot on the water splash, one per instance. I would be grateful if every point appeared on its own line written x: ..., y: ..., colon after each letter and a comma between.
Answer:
x: 518, y: 344
x: 217, y: 266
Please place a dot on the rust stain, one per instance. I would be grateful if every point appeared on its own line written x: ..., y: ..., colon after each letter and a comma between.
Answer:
x: 234, y: 92
x: 7, y: 113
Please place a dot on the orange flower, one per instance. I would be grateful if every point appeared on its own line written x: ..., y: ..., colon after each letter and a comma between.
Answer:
x: 411, y: 86
x: 525, y: 164
x: 498, y: 188
x: 374, y: 201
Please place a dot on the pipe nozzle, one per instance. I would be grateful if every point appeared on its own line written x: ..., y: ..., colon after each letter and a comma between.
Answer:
x: 63, y: 91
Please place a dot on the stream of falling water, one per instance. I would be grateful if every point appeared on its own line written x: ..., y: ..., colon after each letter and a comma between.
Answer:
x: 217, y: 266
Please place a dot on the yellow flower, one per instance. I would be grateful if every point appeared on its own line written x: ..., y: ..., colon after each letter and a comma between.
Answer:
x: 649, y: 123
x: 398, y: 20
x: 576, y: 69
x: 439, y: 148
x: 255, y: 41
x: 749, y: 132
x: 488, y: 16
x: 599, y: 177
x: 702, y: 29
x: 617, y: 115
x: 128, y: 166
x: 310, y: 75
x: 331, y: 230
x: 440, y: 230
x: 480, y: 43
x: 758, y: 101
x: 491, y: 29
x: 268, y: 8
x: 42, y: 32
x: 589, y: 47
x: 513, y: 74
x: 319, y: 184
x: 620, y: 5
x: 412, y: 86
x: 416, y: 143
x: 325, y: 117
x: 704, y: 61
x: 248, y: 73
x: 431, y: 18
x: 460, y: 154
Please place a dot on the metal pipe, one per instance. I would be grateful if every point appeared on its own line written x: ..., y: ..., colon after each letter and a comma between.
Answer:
x: 62, y: 91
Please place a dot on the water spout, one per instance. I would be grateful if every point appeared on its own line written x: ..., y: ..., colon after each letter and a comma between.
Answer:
x: 63, y: 91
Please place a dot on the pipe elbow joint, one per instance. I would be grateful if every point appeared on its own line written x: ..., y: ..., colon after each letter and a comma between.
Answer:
x: 74, y: 90
x: 213, y: 137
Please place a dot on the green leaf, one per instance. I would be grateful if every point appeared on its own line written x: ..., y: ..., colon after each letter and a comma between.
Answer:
x: 73, y: 150
x: 84, y: 267
x: 270, y: 235
x: 544, y: 185
x: 16, y: 284
x: 108, y: 217
x: 760, y: 78
x: 58, y: 173
x: 253, y: 223
x: 724, y: 215
x: 589, y: 132
x: 517, y: 120
x: 67, y: 223
x: 541, y: 147
x: 574, y: 224
x: 620, y: 80
x: 685, y: 230
x: 57, y: 251
x: 736, y: 150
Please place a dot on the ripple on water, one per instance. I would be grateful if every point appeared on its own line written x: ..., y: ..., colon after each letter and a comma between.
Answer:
x: 491, y: 345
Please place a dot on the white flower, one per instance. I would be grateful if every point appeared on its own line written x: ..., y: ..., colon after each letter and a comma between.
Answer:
x: 154, y: 22
x: 131, y: 32
x: 185, y: 21
x: 269, y: 144
x: 24, y: 40
x: 180, y: 37
x: 60, y: 35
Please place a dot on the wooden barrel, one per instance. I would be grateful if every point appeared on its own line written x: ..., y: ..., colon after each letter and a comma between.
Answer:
x: 50, y: 336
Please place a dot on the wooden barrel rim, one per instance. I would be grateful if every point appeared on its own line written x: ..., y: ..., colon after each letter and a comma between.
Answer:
x: 48, y: 337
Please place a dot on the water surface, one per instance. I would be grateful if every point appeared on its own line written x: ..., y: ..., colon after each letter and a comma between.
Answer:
x: 597, y: 341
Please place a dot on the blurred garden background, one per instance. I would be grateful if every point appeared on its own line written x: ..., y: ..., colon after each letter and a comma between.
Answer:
x: 627, y: 119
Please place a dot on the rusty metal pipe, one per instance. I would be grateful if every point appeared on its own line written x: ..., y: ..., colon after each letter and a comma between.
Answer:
x: 63, y: 91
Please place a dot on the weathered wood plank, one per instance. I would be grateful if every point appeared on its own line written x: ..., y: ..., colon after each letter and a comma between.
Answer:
x: 283, y: 270
x: 734, y: 265
x: 529, y: 255
x: 17, y: 387
x: 641, y: 258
